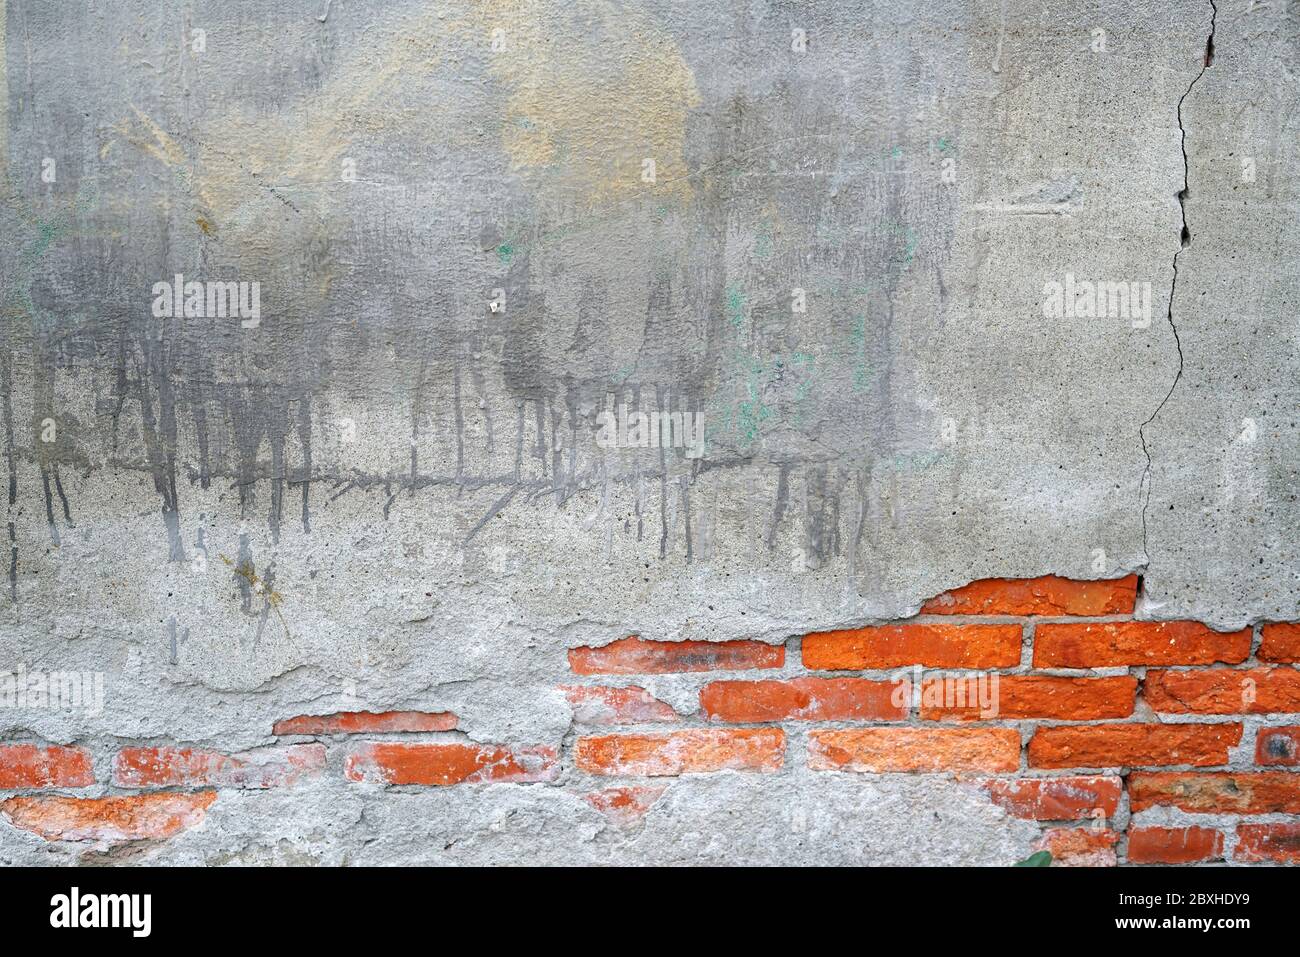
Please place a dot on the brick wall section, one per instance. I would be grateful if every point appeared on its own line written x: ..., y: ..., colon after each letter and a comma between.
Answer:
x: 1129, y: 742
x: 1102, y: 726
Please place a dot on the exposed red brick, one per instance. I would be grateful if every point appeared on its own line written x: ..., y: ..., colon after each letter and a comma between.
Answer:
x: 1280, y: 642
x: 915, y: 749
x: 1057, y: 799
x: 631, y: 705
x: 806, y: 699
x: 683, y: 752
x: 196, y: 767
x: 1224, y: 792
x: 636, y: 656
x: 1048, y: 595
x: 625, y: 805
x: 33, y: 766
x: 1174, y: 845
x: 1223, y: 691
x: 366, y: 722
x: 1108, y: 644
x: 442, y: 764
x: 1132, y: 745
x: 892, y: 646
x: 1278, y: 746
x: 1079, y: 846
x: 108, y: 820
x: 1275, y: 843
x: 1032, y: 696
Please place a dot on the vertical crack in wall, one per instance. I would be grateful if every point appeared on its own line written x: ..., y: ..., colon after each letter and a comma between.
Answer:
x: 1185, y: 240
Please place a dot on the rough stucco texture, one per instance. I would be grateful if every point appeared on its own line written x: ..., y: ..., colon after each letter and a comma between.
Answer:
x: 829, y: 231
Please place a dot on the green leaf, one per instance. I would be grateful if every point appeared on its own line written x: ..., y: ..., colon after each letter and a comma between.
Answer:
x: 1041, y: 859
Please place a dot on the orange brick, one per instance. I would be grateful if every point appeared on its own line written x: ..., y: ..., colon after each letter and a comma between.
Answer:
x: 1132, y: 745
x: 1108, y: 644
x: 32, y: 766
x: 195, y: 767
x: 1174, y: 845
x: 624, y: 805
x: 1037, y: 696
x: 366, y: 722
x: 892, y: 646
x: 1273, y: 843
x: 636, y: 656
x: 1223, y: 691
x: 1224, y: 792
x: 108, y: 820
x: 915, y: 749
x: 1080, y: 846
x: 444, y: 764
x: 1057, y: 799
x: 1278, y: 746
x: 1280, y: 642
x: 1048, y: 595
x: 682, y: 752
x: 631, y: 705
x: 806, y: 699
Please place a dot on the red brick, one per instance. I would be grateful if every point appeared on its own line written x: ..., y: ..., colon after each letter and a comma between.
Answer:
x: 1278, y: 746
x: 1280, y: 642
x: 636, y: 656
x: 196, y: 767
x: 1048, y: 595
x: 915, y: 749
x: 1109, y: 644
x: 33, y: 766
x: 1080, y: 846
x: 366, y: 722
x: 1174, y: 845
x: 893, y: 646
x: 683, y: 752
x: 624, y: 805
x: 108, y: 820
x: 806, y: 699
x: 1057, y: 799
x: 1132, y: 745
x: 1272, y: 843
x: 443, y: 764
x: 631, y: 705
x: 1224, y: 792
x: 1035, y: 696
x: 1223, y: 691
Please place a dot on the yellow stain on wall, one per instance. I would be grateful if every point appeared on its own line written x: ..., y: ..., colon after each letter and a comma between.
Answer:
x: 587, y: 92
x: 154, y: 140
x: 591, y: 92
x: 310, y: 153
x: 594, y: 91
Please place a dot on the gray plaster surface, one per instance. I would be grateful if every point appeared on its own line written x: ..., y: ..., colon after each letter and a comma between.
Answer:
x: 390, y: 493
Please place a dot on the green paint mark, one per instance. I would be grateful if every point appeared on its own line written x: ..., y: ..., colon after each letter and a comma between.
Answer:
x: 505, y: 253
x: 735, y: 307
x: 47, y: 233
x: 910, y: 241
x: 752, y: 411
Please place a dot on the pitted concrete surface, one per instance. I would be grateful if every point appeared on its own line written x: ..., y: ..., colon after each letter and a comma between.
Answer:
x: 390, y: 494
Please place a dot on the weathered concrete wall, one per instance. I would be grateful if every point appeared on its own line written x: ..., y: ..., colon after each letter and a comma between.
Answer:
x: 473, y: 225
